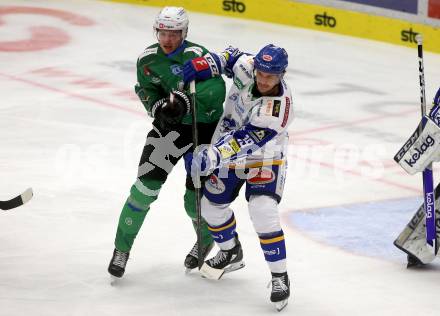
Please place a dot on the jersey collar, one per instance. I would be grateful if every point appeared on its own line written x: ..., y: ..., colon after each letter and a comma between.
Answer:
x: 177, y: 50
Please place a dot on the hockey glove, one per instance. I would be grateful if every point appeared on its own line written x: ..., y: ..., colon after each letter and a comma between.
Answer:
x: 205, y: 159
x: 231, y: 55
x: 201, y: 68
x: 434, y: 113
x: 169, y: 111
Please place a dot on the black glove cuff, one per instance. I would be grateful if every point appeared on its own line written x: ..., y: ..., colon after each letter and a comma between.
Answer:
x: 183, y: 98
x: 158, y: 104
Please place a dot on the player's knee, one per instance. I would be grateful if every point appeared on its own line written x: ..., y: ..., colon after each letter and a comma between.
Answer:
x: 143, y: 193
x: 215, y: 214
x: 263, y: 210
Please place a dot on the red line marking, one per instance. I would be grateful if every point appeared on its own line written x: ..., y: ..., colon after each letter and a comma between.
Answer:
x: 72, y: 18
x: 54, y: 72
x: 356, y: 122
x: 311, y: 131
x: 74, y: 95
x: 87, y: 82
x: 42, y: 37
x: 358, y: 174
x: 118, y: 107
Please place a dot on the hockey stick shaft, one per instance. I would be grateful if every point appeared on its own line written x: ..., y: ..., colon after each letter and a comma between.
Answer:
x: 428, y: 181
x: 17, y: 201
x: 196, y: 179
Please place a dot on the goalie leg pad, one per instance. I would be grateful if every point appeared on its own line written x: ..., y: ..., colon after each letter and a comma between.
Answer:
x: 412, y: 239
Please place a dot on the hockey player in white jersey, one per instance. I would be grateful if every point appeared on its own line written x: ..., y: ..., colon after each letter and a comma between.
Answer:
x: 250, y: 148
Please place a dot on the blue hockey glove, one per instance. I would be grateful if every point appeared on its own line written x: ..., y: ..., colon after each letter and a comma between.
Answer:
x: 231, y: 55
x: 201, y: 68
x: 434, y: 114
x: 205, y: 160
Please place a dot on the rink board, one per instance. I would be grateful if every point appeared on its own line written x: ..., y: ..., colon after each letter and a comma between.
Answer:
x: 314, y: 17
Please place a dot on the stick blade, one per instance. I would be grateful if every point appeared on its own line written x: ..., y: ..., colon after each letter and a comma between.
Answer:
x: 27, y: 195
x: 17, y: 201
x: 210, y: 273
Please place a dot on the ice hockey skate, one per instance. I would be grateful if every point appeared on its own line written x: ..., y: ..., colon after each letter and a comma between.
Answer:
x: 117, y: 265
x: 191, y: 260
x: 223, y: 262
x: 280, y: 290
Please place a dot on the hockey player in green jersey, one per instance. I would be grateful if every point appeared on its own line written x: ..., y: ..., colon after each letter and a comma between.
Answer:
x: 161, y: 89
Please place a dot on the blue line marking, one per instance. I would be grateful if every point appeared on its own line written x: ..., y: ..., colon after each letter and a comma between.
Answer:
x: 365, y: 229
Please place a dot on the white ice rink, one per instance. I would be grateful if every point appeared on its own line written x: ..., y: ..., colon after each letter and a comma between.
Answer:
x: 71, y: 128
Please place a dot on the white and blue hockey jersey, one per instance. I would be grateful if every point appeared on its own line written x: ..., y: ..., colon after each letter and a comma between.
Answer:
x: 253, y: 129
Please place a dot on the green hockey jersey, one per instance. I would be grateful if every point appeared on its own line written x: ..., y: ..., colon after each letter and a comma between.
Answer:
x: 158, y: 74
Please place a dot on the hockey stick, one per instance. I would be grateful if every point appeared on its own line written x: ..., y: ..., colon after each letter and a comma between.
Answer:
x: 17, y: 201
x: 428, y: 187
x: 196, y: 179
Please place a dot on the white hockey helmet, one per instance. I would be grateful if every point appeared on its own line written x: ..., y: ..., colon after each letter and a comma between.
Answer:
x: 173, y: 19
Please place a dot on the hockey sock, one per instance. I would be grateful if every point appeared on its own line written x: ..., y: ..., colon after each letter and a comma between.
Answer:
x: 134, y: 211
x: 224, y: 235
x: 274, y: 249
x: 190, y: 208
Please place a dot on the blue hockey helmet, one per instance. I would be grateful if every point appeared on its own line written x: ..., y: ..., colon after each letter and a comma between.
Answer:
x: 271, y: 59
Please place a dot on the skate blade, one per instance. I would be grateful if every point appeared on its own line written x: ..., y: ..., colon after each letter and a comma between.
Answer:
x: 280, y: 305
x: 215, y: 274
x: 234, y: 267
x: 114, y: 280
x: 188, y: 271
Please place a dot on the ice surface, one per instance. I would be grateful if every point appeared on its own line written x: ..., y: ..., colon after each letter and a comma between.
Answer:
x: 72, y: 128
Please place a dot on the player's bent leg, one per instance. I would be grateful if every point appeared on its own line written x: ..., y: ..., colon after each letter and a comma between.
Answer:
x: 215, y: 214
x: 222, y: 225
x: 190, y: 208
x: 133, y: 213
x: 142, y: 194
x: 219, y: 192
x: 153, y: 171
x: 191, y: 259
